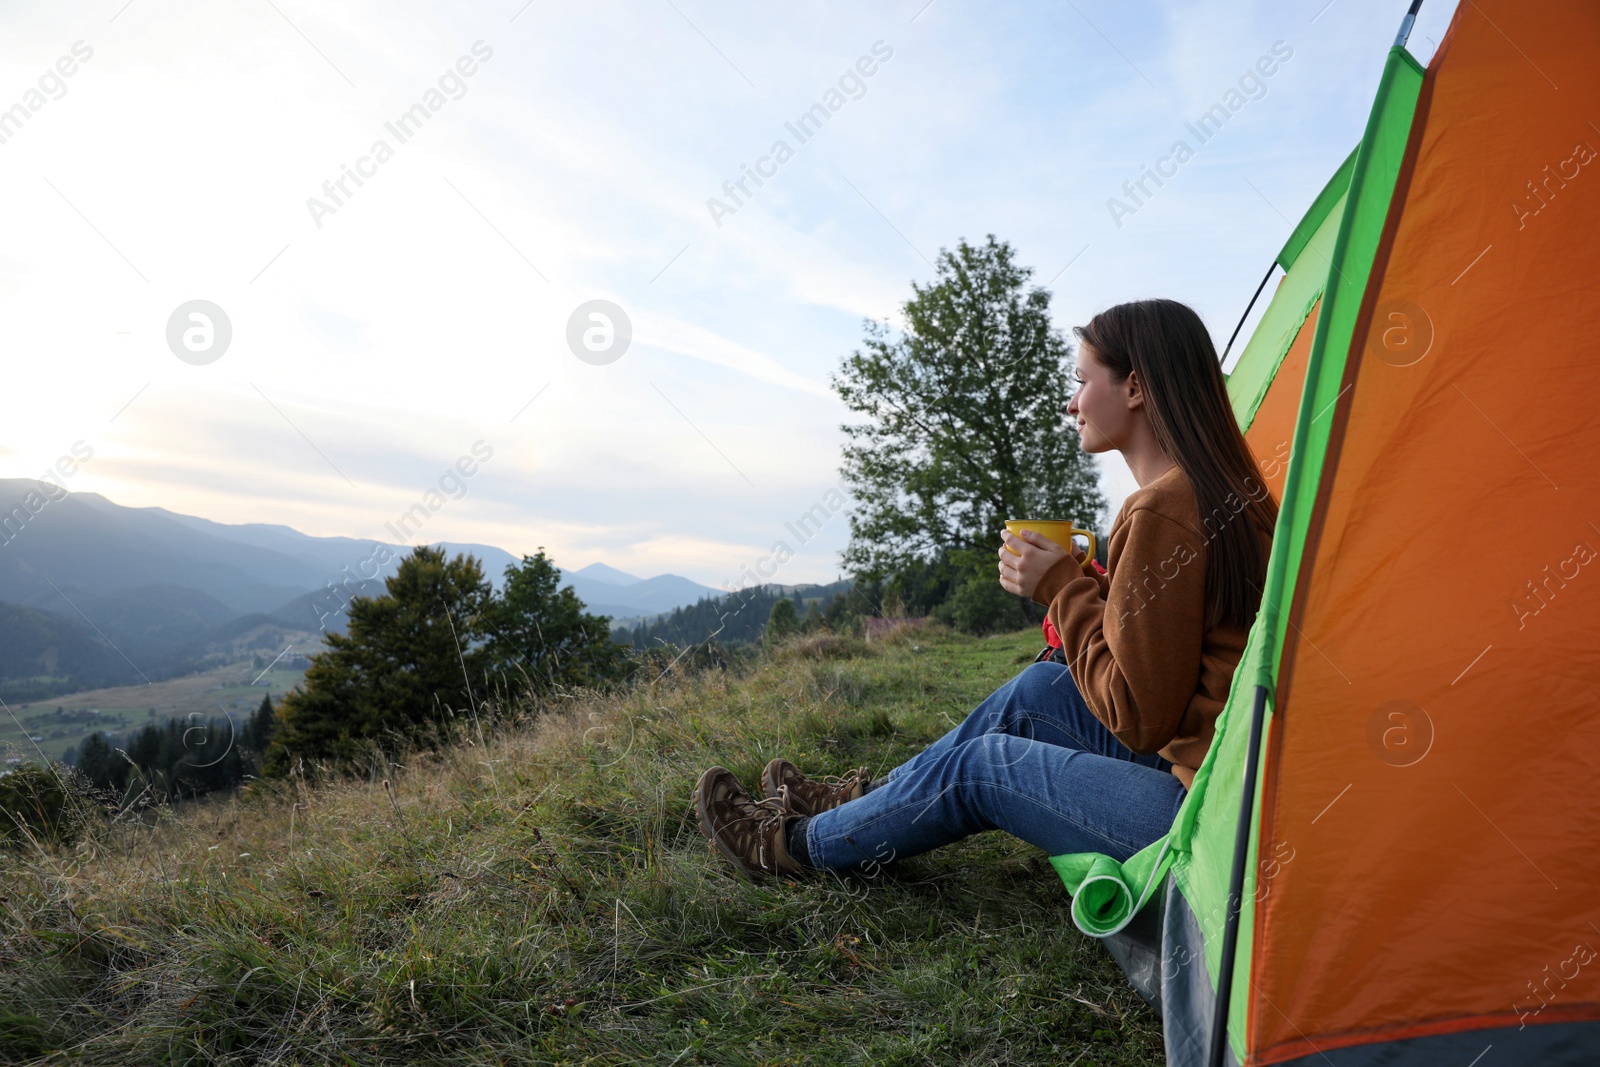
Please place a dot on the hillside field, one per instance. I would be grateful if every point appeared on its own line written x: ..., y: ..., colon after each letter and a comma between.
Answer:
x: 538, y: 893
x: 220, y: 692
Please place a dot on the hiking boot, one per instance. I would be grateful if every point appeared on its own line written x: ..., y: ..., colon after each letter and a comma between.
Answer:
x: 747, y: 831
x: 783, y: 781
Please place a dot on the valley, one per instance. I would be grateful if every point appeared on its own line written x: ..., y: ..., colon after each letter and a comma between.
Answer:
x: 51, y: 726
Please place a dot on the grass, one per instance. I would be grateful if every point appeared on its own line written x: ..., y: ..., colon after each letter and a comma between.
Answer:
x: 544, y: 896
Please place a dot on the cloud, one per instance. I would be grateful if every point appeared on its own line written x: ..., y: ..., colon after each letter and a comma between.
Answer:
x: 431, y: 307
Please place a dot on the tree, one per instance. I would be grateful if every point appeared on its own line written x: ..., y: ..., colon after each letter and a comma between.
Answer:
x: 145, y: 750
x: 782, y: 621
x: 438, y: 638
x: 845, y: 611
x: 101, y: 764
x: 735, y: 619
x: 979, y: 605
x: 408, y: 655
x: 919, y: 586
x: 257, y: 732
x: 967, y: 423
x: 540, y: 636
x: 179, y: 758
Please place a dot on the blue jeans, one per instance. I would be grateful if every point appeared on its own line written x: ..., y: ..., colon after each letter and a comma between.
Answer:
x: 1031, y: 760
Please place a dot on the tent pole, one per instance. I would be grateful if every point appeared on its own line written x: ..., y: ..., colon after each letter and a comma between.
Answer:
x: 1241, y: 848
x: 1399, y: 42
x: 1406, y: 24
x: 1272, y: 267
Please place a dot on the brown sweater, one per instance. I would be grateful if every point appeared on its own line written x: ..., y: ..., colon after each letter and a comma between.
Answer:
x: 1135, y: 637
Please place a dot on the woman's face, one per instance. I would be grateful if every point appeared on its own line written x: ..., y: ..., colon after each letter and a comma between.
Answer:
x: 1100, y: 406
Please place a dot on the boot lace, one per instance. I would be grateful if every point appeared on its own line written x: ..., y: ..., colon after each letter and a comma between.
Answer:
x: 753, y: 826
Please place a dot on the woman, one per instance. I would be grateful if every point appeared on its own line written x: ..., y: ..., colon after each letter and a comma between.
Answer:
x: 1095, y: 755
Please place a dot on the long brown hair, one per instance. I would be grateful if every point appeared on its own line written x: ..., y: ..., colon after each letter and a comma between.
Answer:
x: 1193, y: 421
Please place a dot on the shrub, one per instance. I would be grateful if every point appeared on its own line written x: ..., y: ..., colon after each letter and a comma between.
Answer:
x: 980, y: 606
x: 43, y: 803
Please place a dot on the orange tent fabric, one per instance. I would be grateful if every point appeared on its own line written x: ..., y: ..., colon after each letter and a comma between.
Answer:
x: 1435, y: 752
x: 1272, y: 428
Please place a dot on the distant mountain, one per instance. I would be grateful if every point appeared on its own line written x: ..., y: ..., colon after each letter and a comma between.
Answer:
x: 42, y: 655
x: 607, y: 591
x: 148, y: 623
x: 165, y: 591
x: 625, y: 599
x: 325, y: 555
x: 81, y: 545
x: 338, y: 557
x: 599, y: 572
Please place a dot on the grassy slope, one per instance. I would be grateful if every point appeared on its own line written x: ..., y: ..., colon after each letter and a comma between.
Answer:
x: 546, y: 897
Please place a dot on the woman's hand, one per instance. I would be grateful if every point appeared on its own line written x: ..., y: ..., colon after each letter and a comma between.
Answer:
x: 1020, y: 574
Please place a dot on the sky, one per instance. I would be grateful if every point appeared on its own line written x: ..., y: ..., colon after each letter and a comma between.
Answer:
x: 359, y: 346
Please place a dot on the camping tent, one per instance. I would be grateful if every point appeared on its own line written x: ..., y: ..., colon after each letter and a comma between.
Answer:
x: 1386, y: 858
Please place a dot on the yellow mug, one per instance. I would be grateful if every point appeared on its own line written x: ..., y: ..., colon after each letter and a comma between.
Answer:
x: 1061, y: 531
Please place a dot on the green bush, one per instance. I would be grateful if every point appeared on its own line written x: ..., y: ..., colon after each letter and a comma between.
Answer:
x: 42, y: 803
x: 980, y: 606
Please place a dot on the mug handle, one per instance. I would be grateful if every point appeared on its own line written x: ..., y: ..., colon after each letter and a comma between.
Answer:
x: 1090, y: 536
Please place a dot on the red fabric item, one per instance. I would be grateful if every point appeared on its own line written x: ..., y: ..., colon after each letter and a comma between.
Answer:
x: 1052, y: 638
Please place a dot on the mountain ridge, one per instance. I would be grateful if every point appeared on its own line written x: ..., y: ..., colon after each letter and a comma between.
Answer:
x: 160, y: 589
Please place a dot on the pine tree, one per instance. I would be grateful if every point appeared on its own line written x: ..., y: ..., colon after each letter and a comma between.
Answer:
x: 539, y: 635
x: 100, y: 764
x: 257, y: 733
x: 409, y: 656
x: 781, y: 622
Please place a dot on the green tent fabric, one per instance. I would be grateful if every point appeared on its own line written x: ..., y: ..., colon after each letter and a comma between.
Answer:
x: 1299, y: 291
